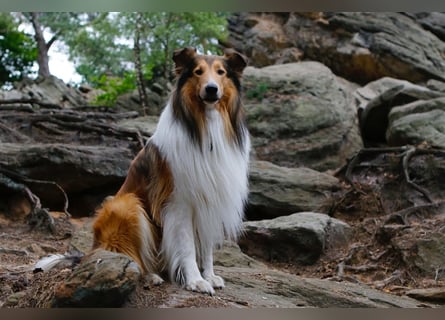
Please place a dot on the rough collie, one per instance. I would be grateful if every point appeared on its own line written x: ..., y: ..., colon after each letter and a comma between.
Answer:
x: 185, y: 190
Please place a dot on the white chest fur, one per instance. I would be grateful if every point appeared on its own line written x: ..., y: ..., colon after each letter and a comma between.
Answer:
x: 210, y: 181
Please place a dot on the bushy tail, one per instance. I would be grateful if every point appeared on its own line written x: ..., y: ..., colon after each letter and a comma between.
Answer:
x: 122, y: 226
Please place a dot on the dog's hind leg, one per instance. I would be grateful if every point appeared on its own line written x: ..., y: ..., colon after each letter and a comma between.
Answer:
x: 178, y: 248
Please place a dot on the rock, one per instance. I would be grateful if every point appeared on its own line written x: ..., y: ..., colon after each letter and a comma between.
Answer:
x: 429, y: 294
x: 50, y: 90
x: 432, y: 21
x: 300, y: 114
x: 359, y: 46
x: 255, y: 285
x: 378, y: 98
x: 103, y: 279
x: 430, y: 252
x: 230, y: 255
x: 277, y: 191
x: 300, y: 237
x: 146, y: 124
x: 436, y: 85
x: 267, y: 41
x: 131, y: 101
x: 417, y: 122
x: 101, y: 168
x: 420, y: 249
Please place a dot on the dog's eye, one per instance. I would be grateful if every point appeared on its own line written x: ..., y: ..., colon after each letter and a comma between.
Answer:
x: 221, y: 72
x: 198, y: 72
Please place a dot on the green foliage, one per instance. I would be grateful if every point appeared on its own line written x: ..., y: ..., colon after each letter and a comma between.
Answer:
x: 17, y: 51
x: 258, y: 92
x: 113, y: 87
x: 102, y: 43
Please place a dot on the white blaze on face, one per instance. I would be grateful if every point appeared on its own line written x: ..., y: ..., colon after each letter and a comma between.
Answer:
x: 210, y: 74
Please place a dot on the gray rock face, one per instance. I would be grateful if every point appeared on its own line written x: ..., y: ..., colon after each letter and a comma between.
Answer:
x: 277, y: 191
x: 131, y: 101
x: 75, y: 168
x: 146, y: 124
x: 263, y: 287
x: 307, y: 117
x: 103, y: 279
x: 300, y: 237
x: 51, y: 90
x: 432, y: 21
x: 359, y: 46
x: 376, y: 101
x: 418, y: 122
x: 430, y: 294
x: 251, y: 284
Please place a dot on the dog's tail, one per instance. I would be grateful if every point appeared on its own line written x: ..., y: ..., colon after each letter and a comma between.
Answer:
x: 122, y: 226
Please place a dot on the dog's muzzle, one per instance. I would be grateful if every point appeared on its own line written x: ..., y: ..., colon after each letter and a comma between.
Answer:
x: 211, y: 93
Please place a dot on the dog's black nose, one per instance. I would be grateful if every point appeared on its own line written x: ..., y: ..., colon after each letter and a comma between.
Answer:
x: 211, y: 89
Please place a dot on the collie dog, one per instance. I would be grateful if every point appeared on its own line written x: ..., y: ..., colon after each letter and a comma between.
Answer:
x: 186, y: 189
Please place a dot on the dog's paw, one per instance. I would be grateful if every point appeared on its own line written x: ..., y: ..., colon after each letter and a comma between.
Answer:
x: 216, y: 281
x: 154, y: 279
x: 200, y: 285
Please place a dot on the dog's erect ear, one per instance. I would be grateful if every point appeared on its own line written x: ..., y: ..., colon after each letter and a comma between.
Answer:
x: 235, y: 60
x: 183, y: 57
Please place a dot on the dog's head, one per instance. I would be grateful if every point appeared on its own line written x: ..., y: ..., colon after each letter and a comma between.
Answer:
x: 208, y: 78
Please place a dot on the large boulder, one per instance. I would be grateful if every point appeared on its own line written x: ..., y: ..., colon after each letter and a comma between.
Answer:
x: 300, y: 237
x: 417, y: 122
x: 87, y: 174
x: 301, y: 114
x: 278, y: 191
x: 380, y: 98
x: 359, y: 46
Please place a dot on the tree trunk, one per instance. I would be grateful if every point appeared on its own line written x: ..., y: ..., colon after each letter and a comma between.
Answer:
x: 167, y: 57
x: 42, y: 47
x: 137, y: 63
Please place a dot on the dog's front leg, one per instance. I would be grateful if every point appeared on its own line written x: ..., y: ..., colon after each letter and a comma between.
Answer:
x: 178, y: 246
x: 207, y: 268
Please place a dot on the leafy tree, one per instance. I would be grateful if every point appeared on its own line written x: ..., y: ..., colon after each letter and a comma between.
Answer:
x: 113, y: 87
x: 167, y: 31
x: 17, y: 51
x: 105, y: 46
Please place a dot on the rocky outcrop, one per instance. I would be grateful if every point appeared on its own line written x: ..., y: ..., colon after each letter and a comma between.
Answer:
x: 301, y: 114
x: 131, y: 101
x: 299, y: 238
x: 145, y: 124
x: 49, y: 90
x: 76, y: 169
x: 359, y: 46
x: 431, y: 21
x: 417, y: 122
x: 399, y: 112
x: 278, y: 191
